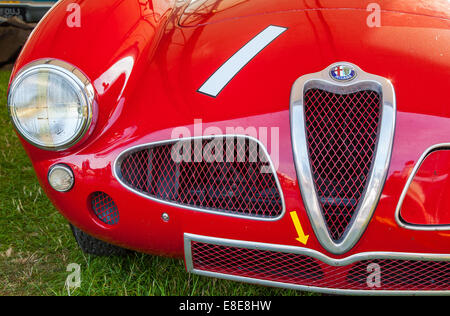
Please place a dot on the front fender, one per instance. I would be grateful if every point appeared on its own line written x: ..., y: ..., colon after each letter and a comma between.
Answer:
x: 111, y: 43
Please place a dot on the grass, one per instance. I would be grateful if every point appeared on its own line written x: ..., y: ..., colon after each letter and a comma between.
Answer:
x: 36, y: 244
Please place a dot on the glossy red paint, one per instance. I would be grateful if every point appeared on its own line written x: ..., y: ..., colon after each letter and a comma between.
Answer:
x: 147, y: 64
x: 206, y: 12
x: 426, y: 201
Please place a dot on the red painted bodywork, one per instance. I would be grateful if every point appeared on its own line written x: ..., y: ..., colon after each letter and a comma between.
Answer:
x: 147, y: 63
x: 426, y: 201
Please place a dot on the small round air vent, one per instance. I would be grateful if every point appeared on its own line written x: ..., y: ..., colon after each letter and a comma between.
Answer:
x: 104, y: 208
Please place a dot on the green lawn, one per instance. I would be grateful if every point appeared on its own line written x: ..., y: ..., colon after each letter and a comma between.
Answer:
x: 36, y: 244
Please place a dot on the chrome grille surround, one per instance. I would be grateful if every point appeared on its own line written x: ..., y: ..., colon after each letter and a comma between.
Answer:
x: 122, y: 156
x: 380, y: 163
x: 344, y: 268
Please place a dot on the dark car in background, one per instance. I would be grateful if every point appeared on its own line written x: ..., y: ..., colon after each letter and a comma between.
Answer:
x: 28, y: 11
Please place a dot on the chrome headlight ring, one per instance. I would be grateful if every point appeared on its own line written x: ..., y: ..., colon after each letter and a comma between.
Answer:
x: 38, y: 103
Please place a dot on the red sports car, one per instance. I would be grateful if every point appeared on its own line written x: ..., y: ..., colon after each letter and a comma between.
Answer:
x: 298, y: 144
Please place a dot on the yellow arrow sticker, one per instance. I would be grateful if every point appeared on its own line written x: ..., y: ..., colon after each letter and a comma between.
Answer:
x: 302, y: 238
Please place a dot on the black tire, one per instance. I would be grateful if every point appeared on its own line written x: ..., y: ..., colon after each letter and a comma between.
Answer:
x: 93, y: 246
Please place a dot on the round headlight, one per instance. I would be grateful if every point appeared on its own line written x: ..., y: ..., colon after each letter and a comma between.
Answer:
x: 61, y: 178
x: 50, y: 103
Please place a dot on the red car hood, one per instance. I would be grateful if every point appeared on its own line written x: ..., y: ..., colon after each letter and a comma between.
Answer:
x: 203, y: 12
x: 138, y: 59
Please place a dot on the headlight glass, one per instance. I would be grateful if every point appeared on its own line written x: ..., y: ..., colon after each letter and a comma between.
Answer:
x: 51, y: 104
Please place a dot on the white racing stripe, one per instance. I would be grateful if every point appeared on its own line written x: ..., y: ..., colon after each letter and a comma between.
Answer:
x: 215, y: 84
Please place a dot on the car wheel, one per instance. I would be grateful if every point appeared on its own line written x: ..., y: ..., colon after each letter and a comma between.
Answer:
x: 94, y: 246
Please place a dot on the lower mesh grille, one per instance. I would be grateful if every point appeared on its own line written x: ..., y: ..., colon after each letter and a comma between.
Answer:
x: 297, y: 269
x: 222, y: 174
x: 260, y: 264
x: 406, y: 274
x: 104, y: 208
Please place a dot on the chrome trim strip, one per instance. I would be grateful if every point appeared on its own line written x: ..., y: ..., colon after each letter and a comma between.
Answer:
x: 398, y: 218
x: 122, y: 155
x: 310, y: 253
x: 79, y: 82
x: 380, y: 163
x: 219, y: 80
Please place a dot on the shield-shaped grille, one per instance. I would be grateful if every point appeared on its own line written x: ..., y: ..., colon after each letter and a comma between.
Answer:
x: 342, y: 136
x: 341, y: 133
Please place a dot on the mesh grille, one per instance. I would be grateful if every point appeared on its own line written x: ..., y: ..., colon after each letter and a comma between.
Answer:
x: 395, y: 275
x: 342, y: 133
x: 220, y: 174
x: 406, y: 274
x: 104, y: 208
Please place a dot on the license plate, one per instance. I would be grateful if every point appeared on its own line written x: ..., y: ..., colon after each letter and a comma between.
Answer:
x: 8, y: 12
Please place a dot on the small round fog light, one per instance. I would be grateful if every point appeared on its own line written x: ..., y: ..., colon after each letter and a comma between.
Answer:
x: 61, y: 178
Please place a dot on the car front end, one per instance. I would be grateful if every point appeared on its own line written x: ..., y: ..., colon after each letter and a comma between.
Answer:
x: 275, y: 143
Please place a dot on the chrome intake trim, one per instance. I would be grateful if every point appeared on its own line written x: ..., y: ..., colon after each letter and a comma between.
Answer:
x: 398, y: 217
x: 188, y: 238
x: 380, y: 162
x: 117, y: 174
